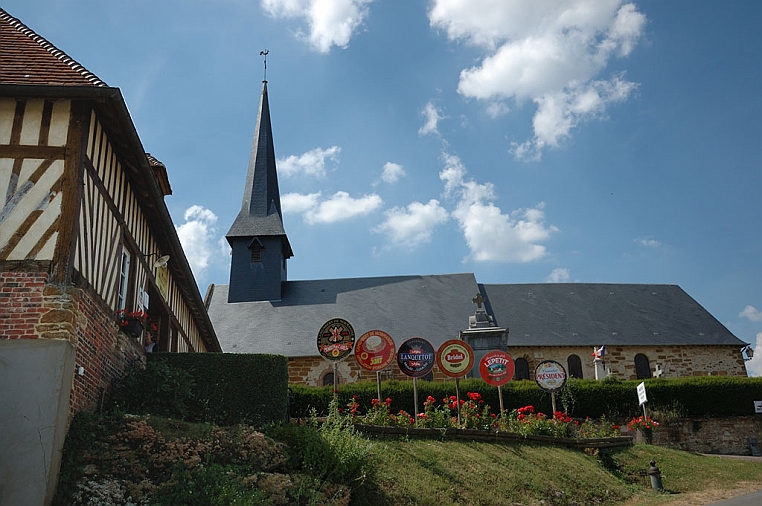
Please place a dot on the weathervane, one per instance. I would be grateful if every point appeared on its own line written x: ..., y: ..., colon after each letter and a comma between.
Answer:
x: 265, y: 53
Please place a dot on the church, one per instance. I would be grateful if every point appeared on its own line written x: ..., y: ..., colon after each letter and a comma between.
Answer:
x: 647, y: 330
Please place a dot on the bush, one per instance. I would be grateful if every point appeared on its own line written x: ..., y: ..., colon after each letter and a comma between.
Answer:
x: 701, y: 396
x: 157, y: 388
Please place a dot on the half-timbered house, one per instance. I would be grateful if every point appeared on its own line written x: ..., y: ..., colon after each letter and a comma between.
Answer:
x: 85, y: 236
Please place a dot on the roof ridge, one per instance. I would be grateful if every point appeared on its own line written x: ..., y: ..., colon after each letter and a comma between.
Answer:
x: 47, y: 46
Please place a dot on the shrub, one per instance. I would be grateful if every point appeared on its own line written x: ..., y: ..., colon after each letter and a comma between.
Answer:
x: 157, y: 388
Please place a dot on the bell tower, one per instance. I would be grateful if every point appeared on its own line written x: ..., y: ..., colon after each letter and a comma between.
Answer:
x: 258, y: 240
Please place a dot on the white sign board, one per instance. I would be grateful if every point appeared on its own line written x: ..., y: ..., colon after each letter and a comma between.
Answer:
x: 758, y: 406
x: 642, y: 393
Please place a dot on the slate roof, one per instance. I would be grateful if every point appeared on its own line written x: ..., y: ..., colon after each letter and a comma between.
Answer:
x: 434, y: 307
x: 27, y: 58
x: 589, y: 314
x: 260, y: 213
x: 437, y: 308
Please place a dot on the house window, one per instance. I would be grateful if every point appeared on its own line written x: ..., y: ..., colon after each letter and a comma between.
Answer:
x: 575, y: 366
x: 642, y: 367
x: 522, y: 369
x: 124, y: 280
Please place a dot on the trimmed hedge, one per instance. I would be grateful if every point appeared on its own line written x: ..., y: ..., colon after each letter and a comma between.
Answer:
x: 230, y: 388
x: 700, y: 396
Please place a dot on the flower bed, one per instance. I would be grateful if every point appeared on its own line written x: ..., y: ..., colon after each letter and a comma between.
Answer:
x: 475, y: 420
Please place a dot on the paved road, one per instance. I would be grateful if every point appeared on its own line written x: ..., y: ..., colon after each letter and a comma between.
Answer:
x: 753, y: 499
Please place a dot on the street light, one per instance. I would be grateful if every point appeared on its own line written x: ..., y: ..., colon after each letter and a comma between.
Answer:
x: 748, y: 352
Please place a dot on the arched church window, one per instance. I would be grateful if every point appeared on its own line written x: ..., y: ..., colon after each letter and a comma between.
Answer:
x: 575, y: 366
x: 328, y: 380
x: 521, y: 369
x: 642, y: 367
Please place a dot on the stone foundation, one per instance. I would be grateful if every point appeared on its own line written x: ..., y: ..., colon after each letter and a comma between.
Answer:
x: 728, y: 436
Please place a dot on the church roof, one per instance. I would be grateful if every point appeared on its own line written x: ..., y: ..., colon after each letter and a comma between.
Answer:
x: 260, y: 213
x: 28, y: 58
x: 591, y: 314
x: 434, y: 307
x: 437, y: 307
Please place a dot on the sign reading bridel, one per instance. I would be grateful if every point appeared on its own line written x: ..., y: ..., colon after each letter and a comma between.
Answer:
x: 335, y: 339
x: 415, y: 357
x: 455, y: 358
x: 374, y: 350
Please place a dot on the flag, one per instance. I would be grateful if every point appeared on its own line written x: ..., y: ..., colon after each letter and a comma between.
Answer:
x: 599, y: 353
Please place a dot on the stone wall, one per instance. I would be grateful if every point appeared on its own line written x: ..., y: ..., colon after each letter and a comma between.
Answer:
x: 311, y: 371
x: 729, y: 436
x: 674, y: 361
x: 31, y: 308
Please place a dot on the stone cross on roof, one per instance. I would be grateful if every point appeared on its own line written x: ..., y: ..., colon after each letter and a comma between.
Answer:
x: 478, y: 300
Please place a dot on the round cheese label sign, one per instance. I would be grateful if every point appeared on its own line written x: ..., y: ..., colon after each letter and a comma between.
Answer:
x: 455, y: 358
x: 374, y: 350
x: 415, y: 357
x: 496, y: 368
x: 550, y: 375
x: 335, y: 339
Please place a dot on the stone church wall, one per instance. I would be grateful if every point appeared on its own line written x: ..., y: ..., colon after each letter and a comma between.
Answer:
x: 674, y: 361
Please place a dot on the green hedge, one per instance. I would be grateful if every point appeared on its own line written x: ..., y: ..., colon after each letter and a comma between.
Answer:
x: 229, y: 388
x: 701, y: 396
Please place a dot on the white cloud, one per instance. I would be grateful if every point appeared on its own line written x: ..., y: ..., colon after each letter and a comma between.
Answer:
x: 754, y: 366
x: 331, y: 22
x: 648, y: 242
x: 311, y: 163
x: 197, y: 236
x: 560, y: 112
x: 751, y: 313
x: 392, y: 172
x: 413, y: 225
x: 490, y: 234
x: 297, y: 203
x: 431, y: 116
x: 558, y: 276
x: 547, y: 52
x: 497, y: 109
x: 340, y: 207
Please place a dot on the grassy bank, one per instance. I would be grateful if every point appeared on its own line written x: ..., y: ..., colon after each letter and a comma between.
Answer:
x: 151, y: 460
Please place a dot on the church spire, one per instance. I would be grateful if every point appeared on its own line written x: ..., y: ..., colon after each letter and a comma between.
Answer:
x: 258, y: 240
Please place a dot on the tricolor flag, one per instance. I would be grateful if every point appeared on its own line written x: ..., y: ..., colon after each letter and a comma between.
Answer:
x: 599, y: 353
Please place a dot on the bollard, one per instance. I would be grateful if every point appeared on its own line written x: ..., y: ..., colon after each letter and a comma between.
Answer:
x: 655, y: 475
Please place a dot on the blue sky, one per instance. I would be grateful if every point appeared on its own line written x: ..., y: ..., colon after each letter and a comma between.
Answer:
x: 523, y: 141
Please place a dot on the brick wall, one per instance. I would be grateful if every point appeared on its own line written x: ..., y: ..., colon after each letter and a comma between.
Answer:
x: 30, y: 308
x: 21, y: 303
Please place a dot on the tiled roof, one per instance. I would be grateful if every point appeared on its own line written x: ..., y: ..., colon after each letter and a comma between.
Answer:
x: 27, y: 58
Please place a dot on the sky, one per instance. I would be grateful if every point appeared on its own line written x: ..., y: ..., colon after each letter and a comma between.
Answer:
x: 526, y: 141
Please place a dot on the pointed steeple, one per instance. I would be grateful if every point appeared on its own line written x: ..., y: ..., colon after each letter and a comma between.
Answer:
x: 258, y: 240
